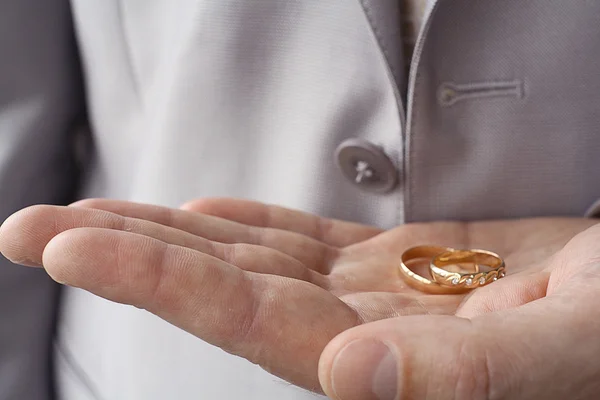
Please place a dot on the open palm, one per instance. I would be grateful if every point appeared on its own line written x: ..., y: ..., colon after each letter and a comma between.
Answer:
x: 272, y: 285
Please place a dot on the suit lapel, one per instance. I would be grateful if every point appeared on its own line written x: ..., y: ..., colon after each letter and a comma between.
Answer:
x: 384, y: 17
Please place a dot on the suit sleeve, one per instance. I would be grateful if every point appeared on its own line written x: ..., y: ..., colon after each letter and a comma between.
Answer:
x: 40, y: 102
x: 594, y: 210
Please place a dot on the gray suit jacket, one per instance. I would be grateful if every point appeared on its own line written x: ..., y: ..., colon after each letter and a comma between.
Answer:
x: 302, y: 103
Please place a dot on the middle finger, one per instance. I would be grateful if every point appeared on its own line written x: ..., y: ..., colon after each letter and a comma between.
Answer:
x: 312, y: 253
x: 26, y: 234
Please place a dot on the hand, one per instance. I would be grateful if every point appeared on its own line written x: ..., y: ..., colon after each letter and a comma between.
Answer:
x: 276, y: 286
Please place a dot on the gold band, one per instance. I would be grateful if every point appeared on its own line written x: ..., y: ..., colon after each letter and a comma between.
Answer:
x: 423, y: 284
x: 441, y: 275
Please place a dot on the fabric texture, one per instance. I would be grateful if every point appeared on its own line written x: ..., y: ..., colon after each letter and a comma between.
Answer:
x: 250, y: 99
x: 40, y: 102
x: 218, y: 98
x: 505, y: 112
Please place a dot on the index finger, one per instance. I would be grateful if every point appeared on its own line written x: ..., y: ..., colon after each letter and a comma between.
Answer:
x: 279, y: 323
x: 333, y: 232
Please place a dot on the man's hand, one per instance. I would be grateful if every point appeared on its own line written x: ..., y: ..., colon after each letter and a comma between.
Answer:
x: 321, y: 303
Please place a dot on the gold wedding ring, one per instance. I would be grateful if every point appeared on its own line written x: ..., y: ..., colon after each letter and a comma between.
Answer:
x: 419, y: 282
x: 445, y: 277
x: 446, y: 267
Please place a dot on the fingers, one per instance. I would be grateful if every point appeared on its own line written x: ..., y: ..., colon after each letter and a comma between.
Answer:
x: 566, y: 269
x: 312, y: 253
x: 24, y: 236
x: 279, y: 323
x: 507, y: 293
x: 540, y: 351
x: 333, y: 232
x: 391, y: 359
x: 575, y: 267
x: 381, y: 305
x: 542, y: 272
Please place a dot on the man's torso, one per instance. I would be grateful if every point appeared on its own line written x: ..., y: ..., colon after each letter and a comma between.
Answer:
x: 272, y: 100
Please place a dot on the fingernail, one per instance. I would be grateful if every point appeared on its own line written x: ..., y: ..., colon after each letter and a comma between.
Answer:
x: 365, y: 369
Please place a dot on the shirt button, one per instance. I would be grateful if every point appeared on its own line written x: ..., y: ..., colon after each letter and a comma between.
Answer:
x: 366, y: 166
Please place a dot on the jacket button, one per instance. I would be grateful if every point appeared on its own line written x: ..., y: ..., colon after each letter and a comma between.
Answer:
x: 366, y: 166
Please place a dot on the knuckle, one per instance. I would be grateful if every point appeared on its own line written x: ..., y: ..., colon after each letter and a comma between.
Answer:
x: 479, y: 376
x: 203, y: 205
x: 243, y: 255
x: 468, y: 375
x: 89, y: 203
x: 153, y: 281
x: 256, y: 336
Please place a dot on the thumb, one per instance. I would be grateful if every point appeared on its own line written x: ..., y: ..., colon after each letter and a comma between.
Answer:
x: 538, y: 351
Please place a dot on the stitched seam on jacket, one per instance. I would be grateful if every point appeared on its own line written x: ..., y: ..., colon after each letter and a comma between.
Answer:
x: 413, y: 112
x: 450, y: 93
x: 382, y: 47
x: 409, y: 177
x: 77, y: 369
